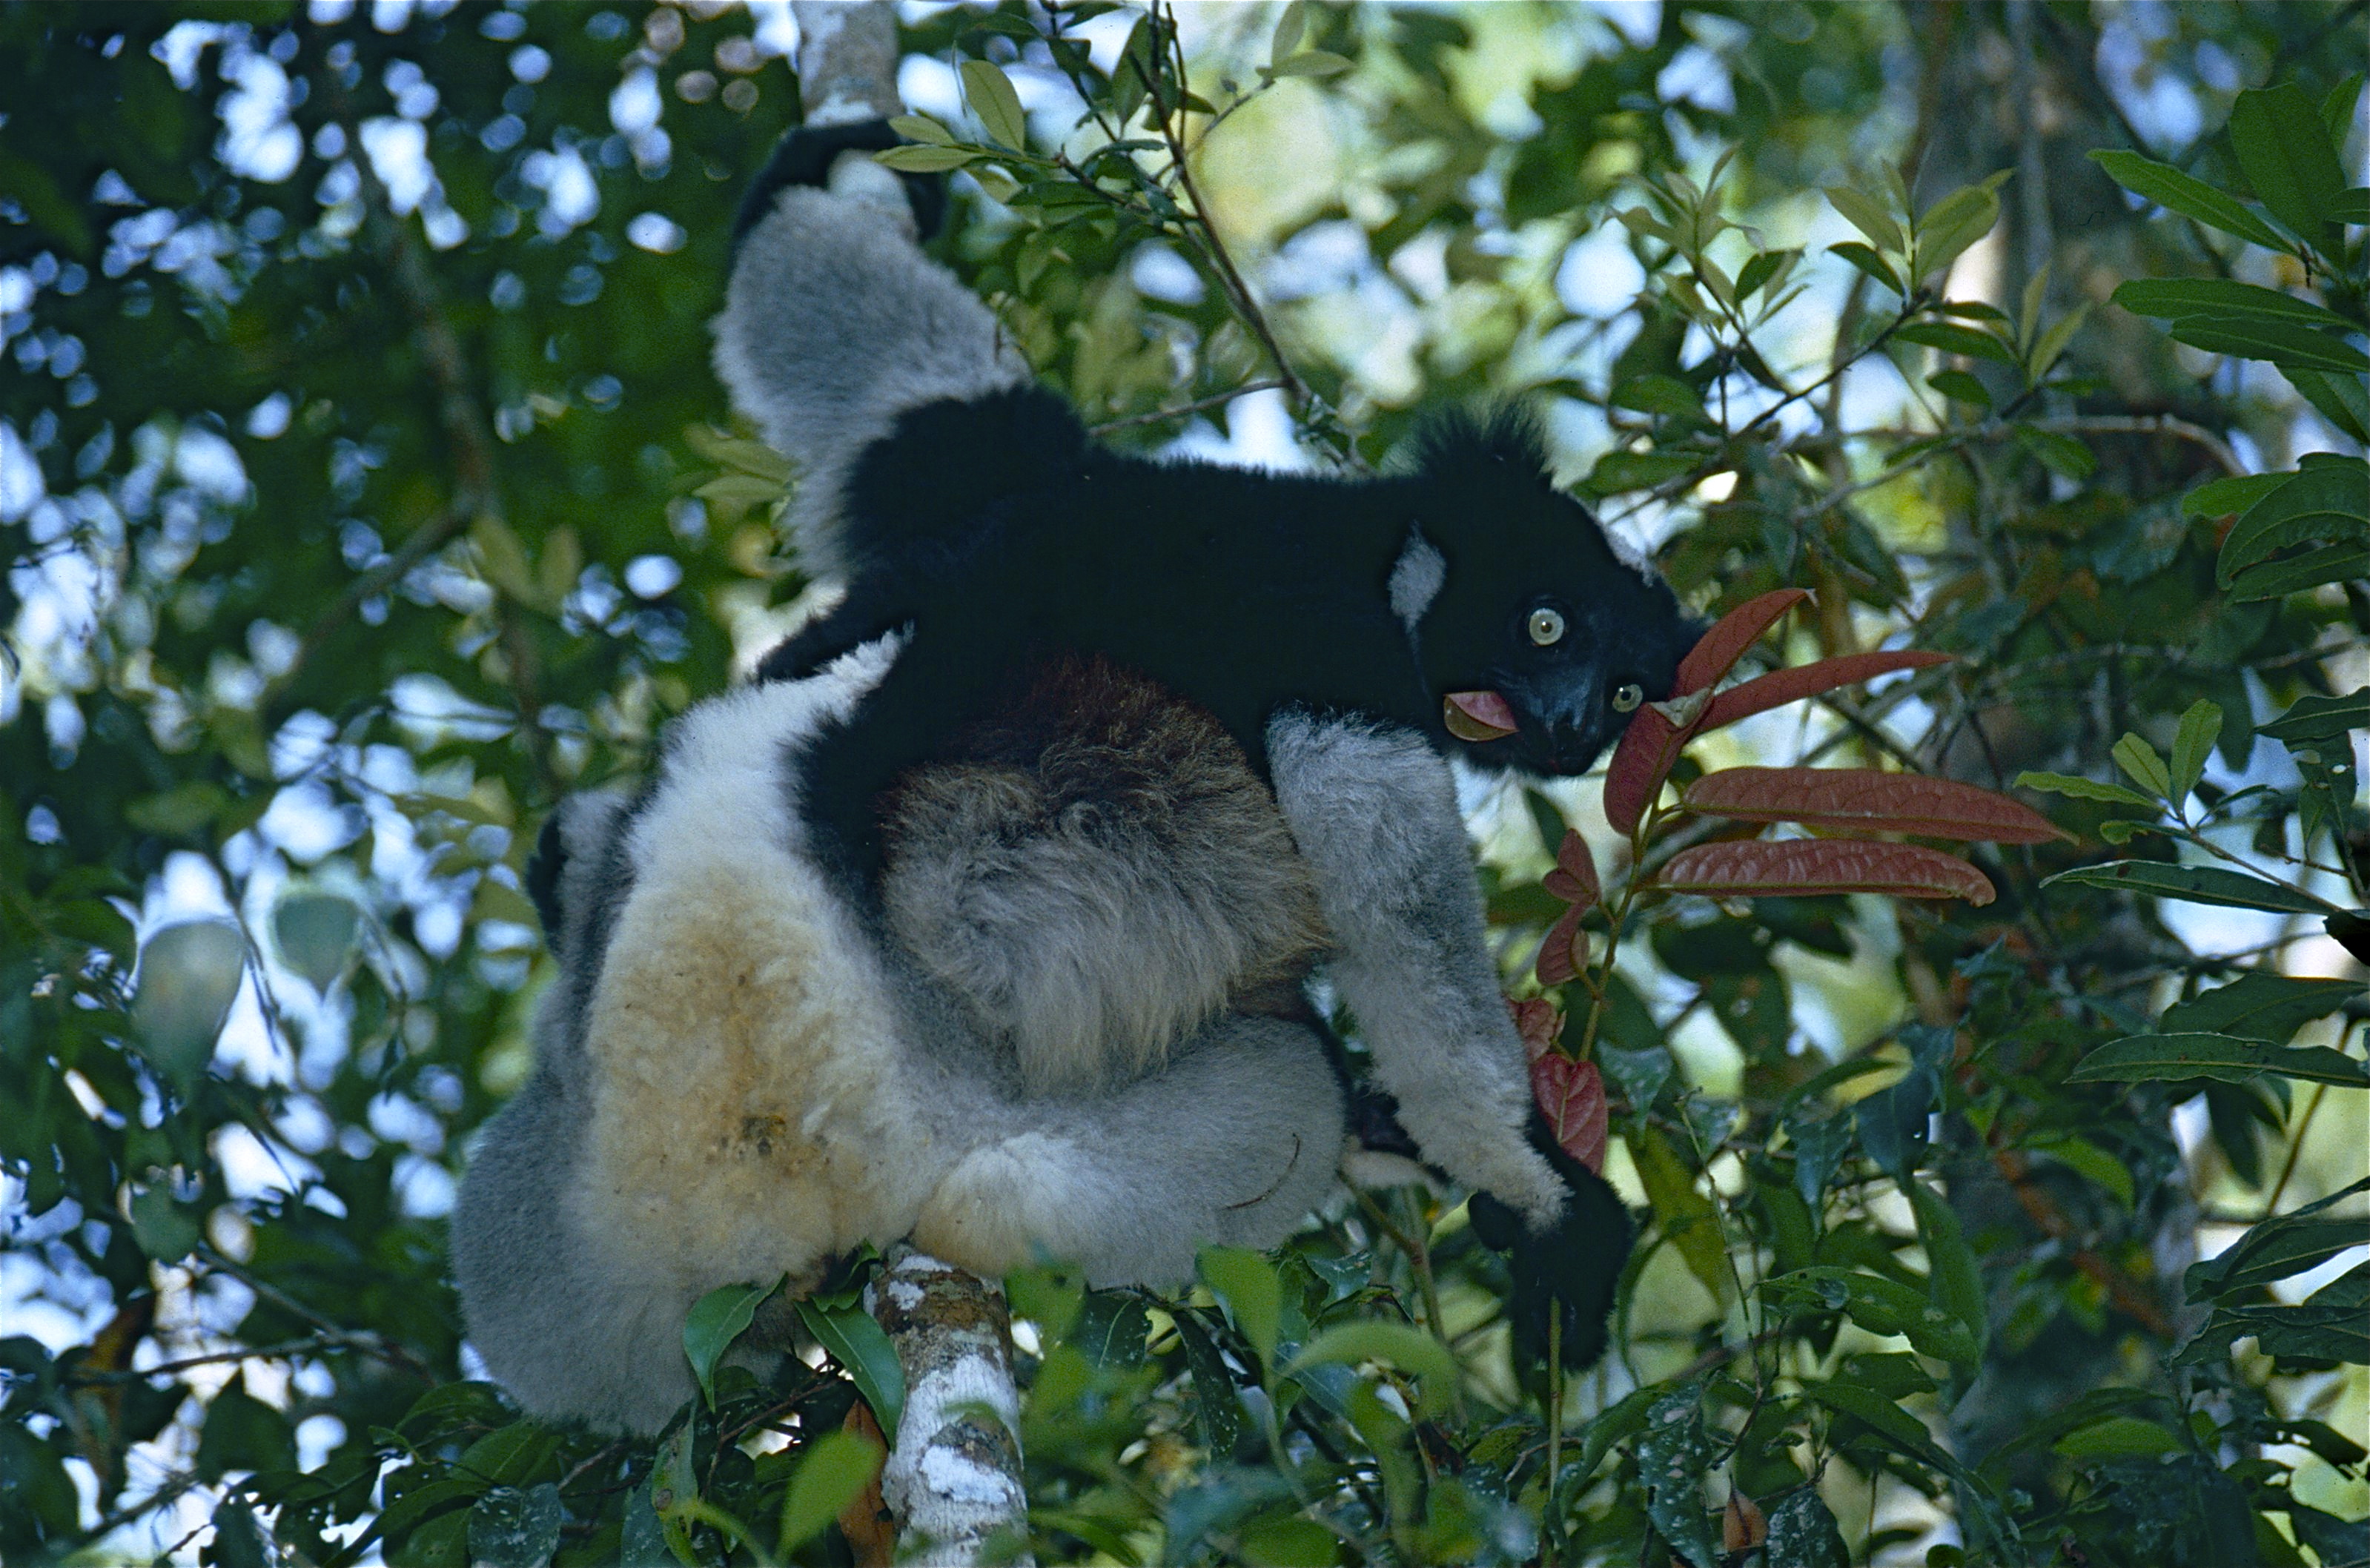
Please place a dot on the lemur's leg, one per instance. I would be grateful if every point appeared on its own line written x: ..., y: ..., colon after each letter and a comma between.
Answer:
x: 1233, y: 1142
x: 835, y: 322
x: 1374, y: 810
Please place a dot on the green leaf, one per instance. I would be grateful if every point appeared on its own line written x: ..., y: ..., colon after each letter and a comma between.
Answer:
x: 2221, y: 298
x: 1289, y: 29
x: 1870, y: 262
x: 2087, y: 1159
x: 2284, y: 1245
x: 2117, y: 1437
x: 2284, y: 149
x: 1246, y: 1284
x: 2140, y: 762
x: 1618, y: 472
x: 1865, y: 215
x: 2177, y: 1058
x: 1954, y: 223
x: 1409, y: 1349
x: 922, y: 128
x: 2337, y: 109
x: 2293, y: 574
x: 1686, y: 1216
x: 1110, y: 1329
x: 2285, y: 343
x: 2326, y: 501
x: 189, y: 975
x: 2053, y: 341
x: 2258, y: 1006
x: 924, y: 159
x: 2231, y: 497
x: 2168, y: 187
x: 1803, y: 1533
x: 1953, y: 339
x: 513, y: 1528
x: 1954, y: 1279
x: 1674, y: 1453
x: 2342, y: 400
x: 1881, y: 1305
x: 832, y: 1473
x: 1216, y: 1407
x: 2201, y: 729
x: 862, y: 1349
x: 315, y: 932
x: 2066, y: 456
x: 717, y: 1319
x: 1959, y: 385
x: 2194, y: 884
x: 989, y: 92
x: 2082, y: 788
x: 1657, y: 394
x: 1314, y: 63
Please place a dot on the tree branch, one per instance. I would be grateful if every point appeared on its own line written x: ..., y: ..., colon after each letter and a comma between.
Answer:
x: 954, y: 1479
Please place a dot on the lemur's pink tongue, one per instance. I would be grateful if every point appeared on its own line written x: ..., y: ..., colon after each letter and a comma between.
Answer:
x: 1478, y: 715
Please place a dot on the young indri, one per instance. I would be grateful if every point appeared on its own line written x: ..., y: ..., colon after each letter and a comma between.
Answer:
x: 981, y: 918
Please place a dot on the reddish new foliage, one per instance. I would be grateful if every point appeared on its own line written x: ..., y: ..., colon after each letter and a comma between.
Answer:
x: 1570, y: 1094
x: 1761, y: 868
x: 1574, y: 878
x: 1717, y: 651
x: 1575, y: 882
x: 1780, y: 688
x: 1864, y: 798
x: 1640, y: 765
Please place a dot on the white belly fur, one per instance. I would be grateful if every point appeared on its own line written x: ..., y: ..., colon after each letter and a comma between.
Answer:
x: 753, y: 1112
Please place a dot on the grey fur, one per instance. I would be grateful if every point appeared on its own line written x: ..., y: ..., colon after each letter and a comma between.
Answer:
x: 833, y: 323
x: 1375, y: 812
x: 1107, y: 877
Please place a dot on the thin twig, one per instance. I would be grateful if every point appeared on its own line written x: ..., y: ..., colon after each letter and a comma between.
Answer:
x: 1215, y: 400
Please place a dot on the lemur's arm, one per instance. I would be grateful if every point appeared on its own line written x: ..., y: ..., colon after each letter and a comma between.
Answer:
x: 1374, y: 809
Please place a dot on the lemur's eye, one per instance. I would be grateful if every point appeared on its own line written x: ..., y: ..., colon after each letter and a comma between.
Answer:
x: 1626, y: 698
x: 1546, y: 627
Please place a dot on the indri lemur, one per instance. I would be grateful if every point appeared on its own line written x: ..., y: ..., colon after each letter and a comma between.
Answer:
x: 981, y: 918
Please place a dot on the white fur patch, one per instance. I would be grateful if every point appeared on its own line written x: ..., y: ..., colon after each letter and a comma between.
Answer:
x: 1416, y: 579
x: 751, y: 1110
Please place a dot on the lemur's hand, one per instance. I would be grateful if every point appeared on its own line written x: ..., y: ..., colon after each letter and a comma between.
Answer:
x: 1571, y: 1267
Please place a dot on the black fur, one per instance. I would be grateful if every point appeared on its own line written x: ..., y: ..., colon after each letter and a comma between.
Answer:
x: 1577, y: 1268
x: 804, y: 156
x: 999, y: 535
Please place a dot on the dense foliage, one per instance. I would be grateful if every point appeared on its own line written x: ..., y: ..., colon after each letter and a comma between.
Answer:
x: 365, y: 488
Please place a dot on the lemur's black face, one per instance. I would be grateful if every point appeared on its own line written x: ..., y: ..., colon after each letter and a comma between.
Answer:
x: 1535, y: 606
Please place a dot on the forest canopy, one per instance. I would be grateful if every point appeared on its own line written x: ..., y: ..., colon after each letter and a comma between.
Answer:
x: 364, y: 489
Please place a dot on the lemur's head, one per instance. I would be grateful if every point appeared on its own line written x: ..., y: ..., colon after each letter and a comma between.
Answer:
x: 1513, y: 592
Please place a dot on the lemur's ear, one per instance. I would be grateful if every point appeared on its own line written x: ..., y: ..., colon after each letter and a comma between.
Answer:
x: 810, y: 154
x: 575, y: 876
x: 544, y: 869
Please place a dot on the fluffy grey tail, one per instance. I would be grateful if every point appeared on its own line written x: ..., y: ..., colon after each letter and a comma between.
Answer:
x: 834, y: 323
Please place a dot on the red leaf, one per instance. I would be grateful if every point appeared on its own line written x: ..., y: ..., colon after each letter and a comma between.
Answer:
x: 1717, y: 651
x: 1641, y: 762
x: 1781, y: 686
x: 1572, y: 857
x: 1561, y: 955
x: 1476, y: 715
x: 1576, y: 871
x: 1864, y: 798
x: 1572, y: 1095
x: 1537, y: 1021
x: 1762, y: 868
